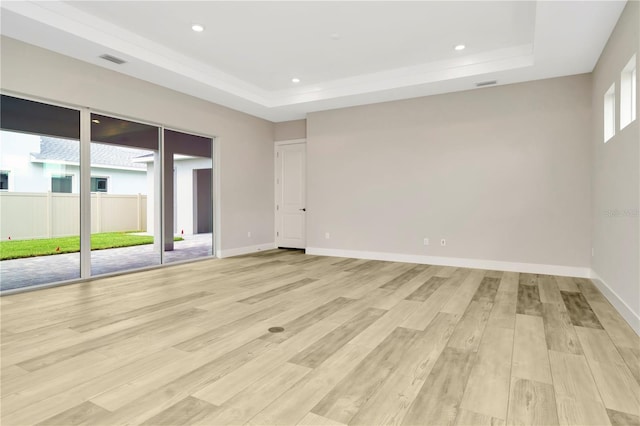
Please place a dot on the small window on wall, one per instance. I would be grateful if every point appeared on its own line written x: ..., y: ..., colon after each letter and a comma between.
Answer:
x: 61, y: 184
x: 98, y: 184
x: 4, y: 180
x: 628, y: 93
x: 610, y: 113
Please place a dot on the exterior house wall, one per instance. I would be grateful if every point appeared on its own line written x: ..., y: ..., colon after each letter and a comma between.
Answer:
x: 14, y: 158
x: 184, y: 213
x: 26, y: 175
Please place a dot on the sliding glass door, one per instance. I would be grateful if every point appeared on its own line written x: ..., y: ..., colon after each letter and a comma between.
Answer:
x: 86, y: 194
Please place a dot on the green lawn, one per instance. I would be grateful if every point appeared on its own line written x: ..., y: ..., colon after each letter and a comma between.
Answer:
x: 17, y: 249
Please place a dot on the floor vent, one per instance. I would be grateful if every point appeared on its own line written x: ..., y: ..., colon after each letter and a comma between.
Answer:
x: 113, y: 59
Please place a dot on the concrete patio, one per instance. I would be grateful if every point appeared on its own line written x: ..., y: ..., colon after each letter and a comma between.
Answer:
x: 19, y: 273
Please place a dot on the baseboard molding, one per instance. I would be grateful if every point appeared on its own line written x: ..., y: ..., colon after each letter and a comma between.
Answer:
x: 244, y: 250
x: 532, y: 268
x: 632, y: 318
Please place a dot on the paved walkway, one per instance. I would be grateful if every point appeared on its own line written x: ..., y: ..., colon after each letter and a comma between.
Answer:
x: 19, y: 273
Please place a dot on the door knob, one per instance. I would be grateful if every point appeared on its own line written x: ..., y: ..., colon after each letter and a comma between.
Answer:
x: 303, y: 210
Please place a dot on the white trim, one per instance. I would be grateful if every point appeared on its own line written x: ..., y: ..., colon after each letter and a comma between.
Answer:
x: 85, y: 193
x: 217, y: 211
x: 533, y: 268
x: 92, y: 165
x: 290, y: 142
x: 245, y: 250
x: 632, y: 318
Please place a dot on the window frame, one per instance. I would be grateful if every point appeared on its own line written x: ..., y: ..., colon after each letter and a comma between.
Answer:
x: 628, y: 101
x: 97, y: 179
x: 609, y: 113
x: 69, y: 177
x: 5, y: 173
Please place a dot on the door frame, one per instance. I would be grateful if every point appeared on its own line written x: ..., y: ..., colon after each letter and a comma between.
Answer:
x: 275, y: 184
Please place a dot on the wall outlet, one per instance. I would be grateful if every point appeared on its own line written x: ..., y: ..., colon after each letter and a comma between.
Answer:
x: 249, y: 234
x: 327, y: 235
x: 425, y: 242
x: 443, y: 242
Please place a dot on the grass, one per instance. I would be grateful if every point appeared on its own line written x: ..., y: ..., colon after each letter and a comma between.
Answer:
x: 17, y: 249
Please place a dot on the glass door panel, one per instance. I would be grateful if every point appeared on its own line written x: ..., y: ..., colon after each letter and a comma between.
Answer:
x: 39, y: 193
x: 125, y: 220
x: 188, y: 190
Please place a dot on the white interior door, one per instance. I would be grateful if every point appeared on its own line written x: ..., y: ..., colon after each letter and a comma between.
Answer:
x: 290, y: 195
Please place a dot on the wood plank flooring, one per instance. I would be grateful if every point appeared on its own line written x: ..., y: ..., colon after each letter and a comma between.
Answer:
x: 364, y: 343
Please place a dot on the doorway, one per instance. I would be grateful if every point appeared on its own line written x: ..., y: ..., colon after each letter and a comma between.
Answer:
x: 290, y: 190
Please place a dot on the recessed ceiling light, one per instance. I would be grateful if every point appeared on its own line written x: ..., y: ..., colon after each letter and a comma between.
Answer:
x: 95, y: 121
x: 197, y: 28
x: 295, y: 80
x: 459, y: 47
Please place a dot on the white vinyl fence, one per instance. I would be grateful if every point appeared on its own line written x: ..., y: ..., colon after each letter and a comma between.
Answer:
x: 28, y: 215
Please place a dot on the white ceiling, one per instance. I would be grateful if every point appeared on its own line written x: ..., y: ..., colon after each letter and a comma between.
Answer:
x: 344, y: 53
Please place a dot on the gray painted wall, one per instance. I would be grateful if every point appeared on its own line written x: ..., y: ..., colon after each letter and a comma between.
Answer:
x: 288, y: 130
x: 501, y: 173
x: 615, y: 172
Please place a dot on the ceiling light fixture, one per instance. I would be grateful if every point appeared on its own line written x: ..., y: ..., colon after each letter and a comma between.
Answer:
x: 459, y: 47
x: 295, y: 80
x: 197, y: 28
x: 96, y: 121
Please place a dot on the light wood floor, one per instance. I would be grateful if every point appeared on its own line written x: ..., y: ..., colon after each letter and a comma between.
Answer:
x: 365, y: 342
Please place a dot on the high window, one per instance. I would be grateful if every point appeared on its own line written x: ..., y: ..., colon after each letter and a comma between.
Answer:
x: 610, y: 113
x: 628, y: 93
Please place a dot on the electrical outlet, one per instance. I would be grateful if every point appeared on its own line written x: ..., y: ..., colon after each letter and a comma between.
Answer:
x: 425, y: 242
x: 327, y: 235
x: 443, y: 242
x: 249, y: 234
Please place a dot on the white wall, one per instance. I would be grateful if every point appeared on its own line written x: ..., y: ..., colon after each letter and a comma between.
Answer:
x: 501, y: 173
x: 616, y: 177
x: 24, y: 176
x: 184, y: 192
x: 122, y: 181
x: 245, y: 142
x: 288, y: 130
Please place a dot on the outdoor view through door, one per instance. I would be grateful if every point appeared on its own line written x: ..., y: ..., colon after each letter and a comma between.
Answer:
x: 40, y: 204
x: 123, y: 215
x: 151, y: 194
x: 188, y: 185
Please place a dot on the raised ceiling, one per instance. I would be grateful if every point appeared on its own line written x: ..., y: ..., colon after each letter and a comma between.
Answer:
x: 344, y: 53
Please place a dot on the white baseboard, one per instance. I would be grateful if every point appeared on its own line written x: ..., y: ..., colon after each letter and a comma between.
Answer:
x: 533, y: 268
x: 632, y: 318
x: 244, y: 250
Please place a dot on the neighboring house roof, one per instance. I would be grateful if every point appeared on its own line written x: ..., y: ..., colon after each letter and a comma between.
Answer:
x: 54, y: 149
